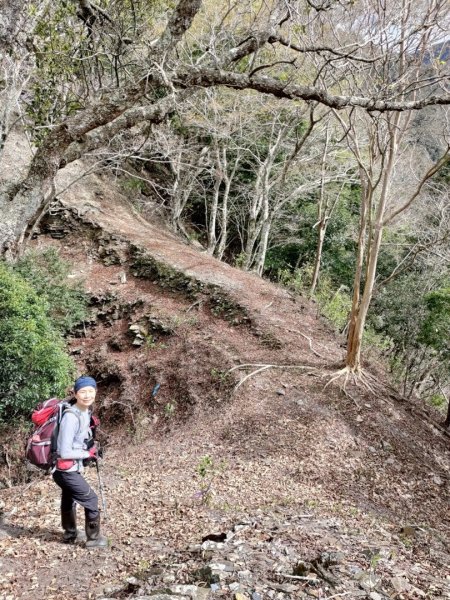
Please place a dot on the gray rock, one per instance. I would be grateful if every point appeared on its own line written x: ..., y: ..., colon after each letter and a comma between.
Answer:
x: 193, y: 591
x: 163, y: 596
x: 368, y: 581
x: 224, y: 565
x: 209, y: 545
x: 133, y: 582
x: 400, y: 584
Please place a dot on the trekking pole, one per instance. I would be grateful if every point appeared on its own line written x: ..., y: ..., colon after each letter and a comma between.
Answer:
x: 101, y: 489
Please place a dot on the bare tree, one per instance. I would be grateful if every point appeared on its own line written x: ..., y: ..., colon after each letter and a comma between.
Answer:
x: 378, y: 209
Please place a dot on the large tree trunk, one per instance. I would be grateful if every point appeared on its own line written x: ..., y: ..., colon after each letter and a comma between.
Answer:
x: 359, y: 310
x: 353, y: 359
x: 353, y: 333
x: 10, y: 11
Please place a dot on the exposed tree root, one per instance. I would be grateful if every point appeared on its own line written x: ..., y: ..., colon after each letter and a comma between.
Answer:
x: 358, y: 378
x: 263, y: 367
x: 309, y: 341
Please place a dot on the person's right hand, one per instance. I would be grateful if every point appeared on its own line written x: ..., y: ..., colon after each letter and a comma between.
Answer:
x: 93, y: 455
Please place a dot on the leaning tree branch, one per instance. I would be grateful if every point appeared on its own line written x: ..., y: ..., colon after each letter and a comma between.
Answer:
x: 314, y: 49
x: 209, y: 77
x: 179, y: 22
x: 154, y: 113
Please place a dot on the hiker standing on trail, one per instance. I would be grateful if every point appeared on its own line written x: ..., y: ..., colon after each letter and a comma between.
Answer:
x: 76, y: 447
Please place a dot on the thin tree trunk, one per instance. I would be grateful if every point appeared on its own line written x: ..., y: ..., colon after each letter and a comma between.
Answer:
x: 320, y: 240
x: 212, y: 222
x: 224, y: 213
x: 322, y: 219
x: 263, y: 245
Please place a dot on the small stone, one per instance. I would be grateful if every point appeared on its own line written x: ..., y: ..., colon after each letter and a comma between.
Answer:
x: 239, y: 596
x: 122, y: 277
x: 111, y: 590
x: 400, y: 584
x: 256, y: 596
x: 193, y: 591
x: 415, y: 590
x: 368, y: 581
x: 209, y: 545
x: 234, y: 586
x: 281, y: 392
x: 375, y: 596
x: 359, y: 419
x: 222, y: 566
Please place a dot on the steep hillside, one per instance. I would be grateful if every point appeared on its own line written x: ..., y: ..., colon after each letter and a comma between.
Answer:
x: 316, y: 492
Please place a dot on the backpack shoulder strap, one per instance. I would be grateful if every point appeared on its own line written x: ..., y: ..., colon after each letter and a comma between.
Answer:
x: 68, y: 408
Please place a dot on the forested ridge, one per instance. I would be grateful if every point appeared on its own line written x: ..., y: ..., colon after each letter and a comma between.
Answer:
x: 192, y: 153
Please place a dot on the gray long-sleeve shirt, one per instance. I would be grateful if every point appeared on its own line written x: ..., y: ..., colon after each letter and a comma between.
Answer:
x: 73, y: 432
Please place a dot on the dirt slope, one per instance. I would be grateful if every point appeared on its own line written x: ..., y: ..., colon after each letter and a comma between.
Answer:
x: 307, y: 469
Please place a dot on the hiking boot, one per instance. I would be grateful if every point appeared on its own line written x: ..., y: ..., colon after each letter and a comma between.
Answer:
x: 69, y: 524
x: 94, y: 538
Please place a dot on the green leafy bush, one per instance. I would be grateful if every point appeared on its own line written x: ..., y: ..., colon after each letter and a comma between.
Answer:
x: 33, y: 363
x: 436, y: 325
x: 47, y: 273
x: 334, y: 304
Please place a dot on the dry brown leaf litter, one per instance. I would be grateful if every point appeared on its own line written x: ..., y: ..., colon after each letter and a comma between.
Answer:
x: 281, y: 447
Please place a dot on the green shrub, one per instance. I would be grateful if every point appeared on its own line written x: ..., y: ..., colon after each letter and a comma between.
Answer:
x: 335, y: 305
x: 47, y: 273
x: 33, y: 364
x: 439, y: 401
x: 298, y: 280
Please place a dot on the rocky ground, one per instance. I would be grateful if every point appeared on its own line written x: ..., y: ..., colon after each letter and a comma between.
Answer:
x: 244, y: 476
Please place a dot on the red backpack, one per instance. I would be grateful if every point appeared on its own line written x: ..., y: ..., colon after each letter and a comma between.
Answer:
x: 41, y: 445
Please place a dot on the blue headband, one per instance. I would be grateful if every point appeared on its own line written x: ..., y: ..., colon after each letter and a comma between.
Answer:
x: 83, y: 382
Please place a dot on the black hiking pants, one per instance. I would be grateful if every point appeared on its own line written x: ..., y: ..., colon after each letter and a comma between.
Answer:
x: 75, y: 489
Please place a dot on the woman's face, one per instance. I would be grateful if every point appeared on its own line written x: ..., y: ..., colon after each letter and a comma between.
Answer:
x: 85, y: 396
